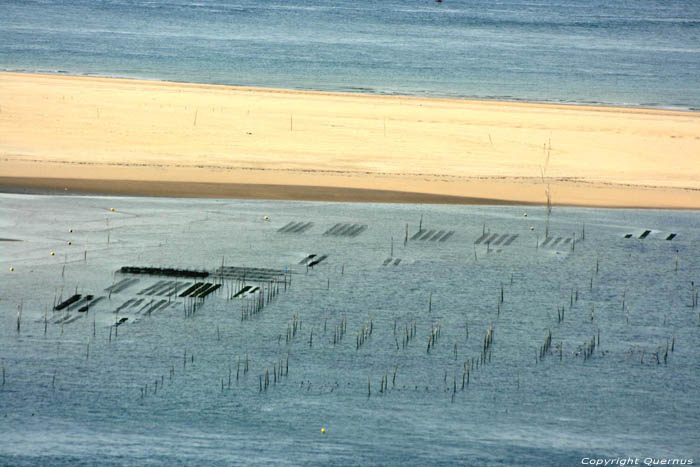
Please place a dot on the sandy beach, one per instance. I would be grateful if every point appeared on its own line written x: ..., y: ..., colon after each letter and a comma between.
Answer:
x: 171, y: 139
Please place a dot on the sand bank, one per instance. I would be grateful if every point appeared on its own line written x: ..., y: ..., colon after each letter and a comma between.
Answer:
x: 112, y: 135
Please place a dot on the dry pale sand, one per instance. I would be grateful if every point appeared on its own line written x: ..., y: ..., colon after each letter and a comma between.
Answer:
x: 114, y: 135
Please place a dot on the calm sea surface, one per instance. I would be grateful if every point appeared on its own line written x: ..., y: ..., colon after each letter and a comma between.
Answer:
x: 169, y: 386
x: 384, y: 342
x: 628, y: 52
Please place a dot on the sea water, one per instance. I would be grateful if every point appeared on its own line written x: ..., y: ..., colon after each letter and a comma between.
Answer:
x: 627, y: 52
x: 169, y: 387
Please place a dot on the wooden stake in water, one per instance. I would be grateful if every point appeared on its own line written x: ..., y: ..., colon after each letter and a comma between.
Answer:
x: 19, y: 316
x: 114, y: 277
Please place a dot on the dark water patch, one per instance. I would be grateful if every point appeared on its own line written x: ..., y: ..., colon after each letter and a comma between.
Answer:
x: 510, y: 240
x: 191, y: 289
x: 162, y: 271
x: 437, y: 235
x: 447, y: 235
x: 69, y: 301
x: 500, y: 239
x: 481, y: 238
x: 307, y: 259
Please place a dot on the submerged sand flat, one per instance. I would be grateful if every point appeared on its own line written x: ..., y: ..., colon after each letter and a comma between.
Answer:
x: 66, y: 128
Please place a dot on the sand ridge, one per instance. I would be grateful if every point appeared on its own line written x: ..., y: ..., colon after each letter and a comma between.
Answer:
x: 64, y: 127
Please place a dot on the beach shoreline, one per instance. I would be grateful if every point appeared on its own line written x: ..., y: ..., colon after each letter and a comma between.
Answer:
x: 366, y: 92
x: 159, y: 138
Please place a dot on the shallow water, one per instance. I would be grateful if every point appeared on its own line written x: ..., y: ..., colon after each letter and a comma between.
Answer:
x: 65, y: 404
x: 641, y: 52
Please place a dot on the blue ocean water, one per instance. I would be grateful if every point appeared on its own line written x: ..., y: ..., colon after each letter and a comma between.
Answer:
x: 169, y: 387
x: 626, y: 52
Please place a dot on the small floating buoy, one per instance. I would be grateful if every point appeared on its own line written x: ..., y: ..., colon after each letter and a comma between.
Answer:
x: 11, y: 269
x: 111, y: 209
x: 323, y: 431
x: 266, y: 218
x: 52, y: 253
x: 524, y: 214
x: 532, y: 228
x: 70, y: 243
x: 70, y: 230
